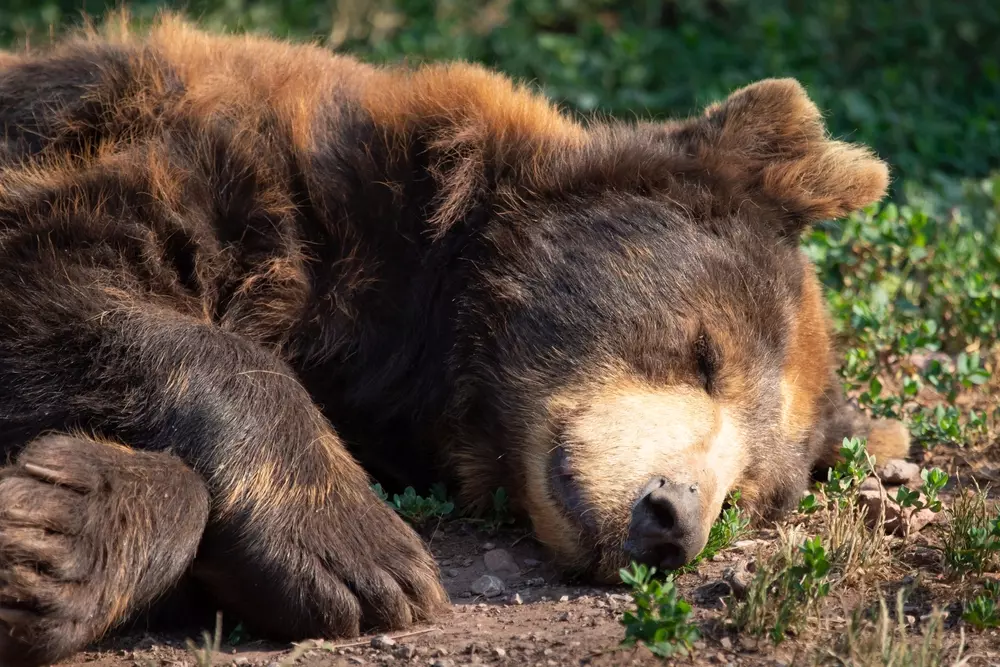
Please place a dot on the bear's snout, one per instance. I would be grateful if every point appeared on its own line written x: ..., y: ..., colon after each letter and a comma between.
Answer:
x: 666, y: 529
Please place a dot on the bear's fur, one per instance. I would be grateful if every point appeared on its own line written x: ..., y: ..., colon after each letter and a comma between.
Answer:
x: 238, y: 275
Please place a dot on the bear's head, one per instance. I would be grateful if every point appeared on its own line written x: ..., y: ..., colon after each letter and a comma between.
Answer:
x: 641, y: 334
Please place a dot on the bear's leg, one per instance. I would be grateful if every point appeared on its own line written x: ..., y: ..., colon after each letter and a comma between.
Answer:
x: 297, y: 545
x: 887, y: 439
x: 90, y: 532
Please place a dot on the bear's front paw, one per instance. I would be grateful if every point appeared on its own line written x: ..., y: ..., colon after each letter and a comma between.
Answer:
x: 51, y: 589
x: 291, y: 572
x: 89, y: 531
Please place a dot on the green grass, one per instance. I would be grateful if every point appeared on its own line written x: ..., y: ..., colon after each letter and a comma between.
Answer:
x: 786, y: 590
x: 972, y: 539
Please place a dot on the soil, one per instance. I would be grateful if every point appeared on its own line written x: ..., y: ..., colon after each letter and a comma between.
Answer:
x: 541, y: 619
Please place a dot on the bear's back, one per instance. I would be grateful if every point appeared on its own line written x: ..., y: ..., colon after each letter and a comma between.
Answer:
x: 111, y: 86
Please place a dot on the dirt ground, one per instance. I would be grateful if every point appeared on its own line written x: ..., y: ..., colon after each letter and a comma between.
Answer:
x: 540, y: 619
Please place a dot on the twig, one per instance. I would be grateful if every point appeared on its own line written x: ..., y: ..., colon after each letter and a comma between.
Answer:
x: 404, y: 635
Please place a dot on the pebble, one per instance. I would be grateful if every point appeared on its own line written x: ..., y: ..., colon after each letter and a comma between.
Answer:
x: 489, y: 546
x: 870, y: 484
x: 443, y: 663
x: 564, y: 598
x: 531, y: 562
x: 743, y: 545
x: 920, y: 520
x: 488, y: 585
x: 726, y: 643
x: 404, y: 651
x: 518, y: 599
x: 453, y: 573
x: 500, y: 561
x: 499, y: 653
x: 899, y: 471
x: 383, y: 643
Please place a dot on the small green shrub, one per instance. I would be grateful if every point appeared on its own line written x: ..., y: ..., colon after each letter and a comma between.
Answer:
x: 660, y: 620
x: 934, y: 481
x: 416, y: 509
x: 981, y: 612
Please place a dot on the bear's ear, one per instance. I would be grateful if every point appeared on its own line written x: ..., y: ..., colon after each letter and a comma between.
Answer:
x: 769, y: 142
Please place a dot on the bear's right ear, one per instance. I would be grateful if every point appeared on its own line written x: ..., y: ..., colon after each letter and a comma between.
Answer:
x: 768, y: 142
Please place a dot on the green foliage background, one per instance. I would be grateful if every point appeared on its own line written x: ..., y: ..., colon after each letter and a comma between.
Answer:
x: 917, y: 79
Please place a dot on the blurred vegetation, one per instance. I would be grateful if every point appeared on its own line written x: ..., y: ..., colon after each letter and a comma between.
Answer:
x: 917, y: 79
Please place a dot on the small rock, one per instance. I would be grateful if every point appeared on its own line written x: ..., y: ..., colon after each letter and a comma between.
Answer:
x: 355, y: 660
x: 920, y: 520
x: 739, y: 576
x: 383, y: 643
x: 531, y: 562
x: 443, y: 663
x: 564, y: 598
x: 718, y: 558
x: 404, y: 651
x: 488, y: 585
x: 898, y: 471
x: 518, y: 599
x: 452, y: 573
x: 712, y: 594
x: 870, y: 484
x: 924, y: 557
x: 500, y: 561
x: 499, y: 653
x: 744, y: 545
x: 726, y: 643
x: 242, y: 660
x: 489, y: 546
x: 563, y: 616
x: 880, y: 507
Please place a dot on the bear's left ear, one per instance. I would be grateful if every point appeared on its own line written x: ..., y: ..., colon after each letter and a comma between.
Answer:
x: 768, y: 141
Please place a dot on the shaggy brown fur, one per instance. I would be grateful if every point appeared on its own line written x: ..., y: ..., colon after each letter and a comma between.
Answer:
x: 267, y: 271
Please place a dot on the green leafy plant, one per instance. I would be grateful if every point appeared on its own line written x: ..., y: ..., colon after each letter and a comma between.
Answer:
x: 416, y: 509
x: 809, y: 504
x: 934, y: 481
x: 847, y: 474
x: 981, y: 612
x: 661, y: 618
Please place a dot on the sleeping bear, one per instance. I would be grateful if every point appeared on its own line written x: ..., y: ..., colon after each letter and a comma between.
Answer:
x: 241, y: 278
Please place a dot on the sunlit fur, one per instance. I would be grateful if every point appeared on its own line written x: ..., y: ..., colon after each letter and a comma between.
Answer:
x: 278, y: 271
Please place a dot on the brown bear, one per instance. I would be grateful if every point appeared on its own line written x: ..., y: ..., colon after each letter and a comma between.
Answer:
x: 239, y: 276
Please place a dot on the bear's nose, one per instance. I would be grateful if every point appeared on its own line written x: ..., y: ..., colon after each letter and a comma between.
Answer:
x: 666, y: 528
